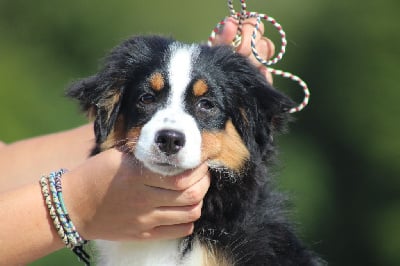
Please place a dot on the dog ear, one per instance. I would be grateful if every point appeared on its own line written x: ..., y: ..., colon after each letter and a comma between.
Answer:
x: 100, y: 95
x: 101, y: 98
x: 276, y: 105
x: 269, y: 117
x: 271, y: 107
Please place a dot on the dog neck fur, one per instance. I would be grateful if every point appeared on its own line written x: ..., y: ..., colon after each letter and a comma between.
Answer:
x: 151, y: 253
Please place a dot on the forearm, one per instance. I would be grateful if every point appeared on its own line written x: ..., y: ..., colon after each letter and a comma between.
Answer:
x: 27, y: 232
x: 24, y: 161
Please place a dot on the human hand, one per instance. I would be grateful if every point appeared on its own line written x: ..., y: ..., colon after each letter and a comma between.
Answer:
x: 264, y: 46
x: 113, y: 197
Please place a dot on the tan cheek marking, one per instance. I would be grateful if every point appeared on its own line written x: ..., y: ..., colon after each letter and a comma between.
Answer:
x: 119, y: 137
x: 132, y: 138
x: 116, y: 135
x: 157, y: 81
x: 211, y: 145
x: 225, y: 147
x: 200, y: 87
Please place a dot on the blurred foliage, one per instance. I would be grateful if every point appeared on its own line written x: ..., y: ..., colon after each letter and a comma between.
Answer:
x: 341, y: 160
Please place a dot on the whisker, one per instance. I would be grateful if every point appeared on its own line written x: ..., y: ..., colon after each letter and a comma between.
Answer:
x: 126, y: 145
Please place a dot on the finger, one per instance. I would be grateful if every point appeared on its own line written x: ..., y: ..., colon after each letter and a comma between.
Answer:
x: 179, y: 182
x: 266, y: 74
x: 247, y: 32
x: 227, y: 33
x: 265, y: 49
x: 189, y: 178
x: 171, y: 198
x: 165, y: 232
x: 152, y: 179
x: 194, y: 194
x: 177, y: 215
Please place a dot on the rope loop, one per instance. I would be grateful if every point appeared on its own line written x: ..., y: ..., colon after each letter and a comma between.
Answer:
x: 243, y: 15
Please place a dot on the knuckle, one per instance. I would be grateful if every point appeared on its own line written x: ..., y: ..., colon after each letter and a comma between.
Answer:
x: 251, y: 21
x: 142, y: 236
x: 188, y: 229
x: 179, y: 182
x: 194, y: 216
x: 193, y: 196
x: 270, y: 47
x: 244, y: 49
x: 195, y: 213
x: 140, y: 223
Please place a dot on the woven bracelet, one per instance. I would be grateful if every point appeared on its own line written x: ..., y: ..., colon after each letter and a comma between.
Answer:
x: 53, y: 215
x: 52, y: 194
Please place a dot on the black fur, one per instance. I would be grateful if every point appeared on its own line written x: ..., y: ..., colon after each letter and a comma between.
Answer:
x: 243, y: 216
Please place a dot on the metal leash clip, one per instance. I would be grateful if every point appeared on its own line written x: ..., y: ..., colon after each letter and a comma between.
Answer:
x: 243, y: 15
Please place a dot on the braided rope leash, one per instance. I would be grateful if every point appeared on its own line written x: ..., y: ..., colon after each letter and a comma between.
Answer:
x: 240, y: 17
x: 52, y: 194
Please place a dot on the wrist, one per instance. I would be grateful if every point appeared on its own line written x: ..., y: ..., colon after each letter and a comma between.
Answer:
x: 78, y: 201
x: 84, y: 190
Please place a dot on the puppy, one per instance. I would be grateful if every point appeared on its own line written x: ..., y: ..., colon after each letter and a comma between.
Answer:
x: 174, y: 105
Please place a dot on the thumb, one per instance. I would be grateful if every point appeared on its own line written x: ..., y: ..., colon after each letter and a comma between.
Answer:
x: 228, y: 32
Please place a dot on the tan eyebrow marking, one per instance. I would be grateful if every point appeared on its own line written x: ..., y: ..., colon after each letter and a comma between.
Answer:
x: 200, y: 87
x: 157, y: 81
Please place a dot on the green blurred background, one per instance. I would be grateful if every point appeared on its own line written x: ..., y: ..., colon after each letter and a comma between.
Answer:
x: 341, y: 160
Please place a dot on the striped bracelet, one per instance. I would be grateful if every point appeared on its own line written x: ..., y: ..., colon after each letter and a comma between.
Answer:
x: 53, y: 197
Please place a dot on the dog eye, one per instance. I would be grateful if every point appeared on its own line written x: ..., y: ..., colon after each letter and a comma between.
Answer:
x: 147, y: 98
x: 205, y: 104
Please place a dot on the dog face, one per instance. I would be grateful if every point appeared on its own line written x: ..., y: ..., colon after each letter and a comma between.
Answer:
x: 174, y: 105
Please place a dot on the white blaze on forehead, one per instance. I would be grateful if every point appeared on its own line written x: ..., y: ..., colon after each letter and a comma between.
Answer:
x: 180, y: 69
x: 173, y: 116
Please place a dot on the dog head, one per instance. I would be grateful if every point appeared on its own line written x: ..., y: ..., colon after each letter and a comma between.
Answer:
x: 175, y: 105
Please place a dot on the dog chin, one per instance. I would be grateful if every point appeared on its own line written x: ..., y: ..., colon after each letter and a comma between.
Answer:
x: 164, y: 168
x: 167, y: 166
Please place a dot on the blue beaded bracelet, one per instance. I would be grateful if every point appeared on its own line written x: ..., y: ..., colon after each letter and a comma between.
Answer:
x: 52, y: 193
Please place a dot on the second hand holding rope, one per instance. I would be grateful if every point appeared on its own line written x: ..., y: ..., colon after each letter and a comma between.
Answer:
x: 240, y: 17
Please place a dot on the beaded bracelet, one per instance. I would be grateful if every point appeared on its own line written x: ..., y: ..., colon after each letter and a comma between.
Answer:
x: 52, y: 194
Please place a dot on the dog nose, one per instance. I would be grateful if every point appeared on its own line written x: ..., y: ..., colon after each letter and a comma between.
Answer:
x: 170, y: 141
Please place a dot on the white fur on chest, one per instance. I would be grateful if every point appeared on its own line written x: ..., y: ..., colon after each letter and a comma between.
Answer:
x: 152, y: 253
